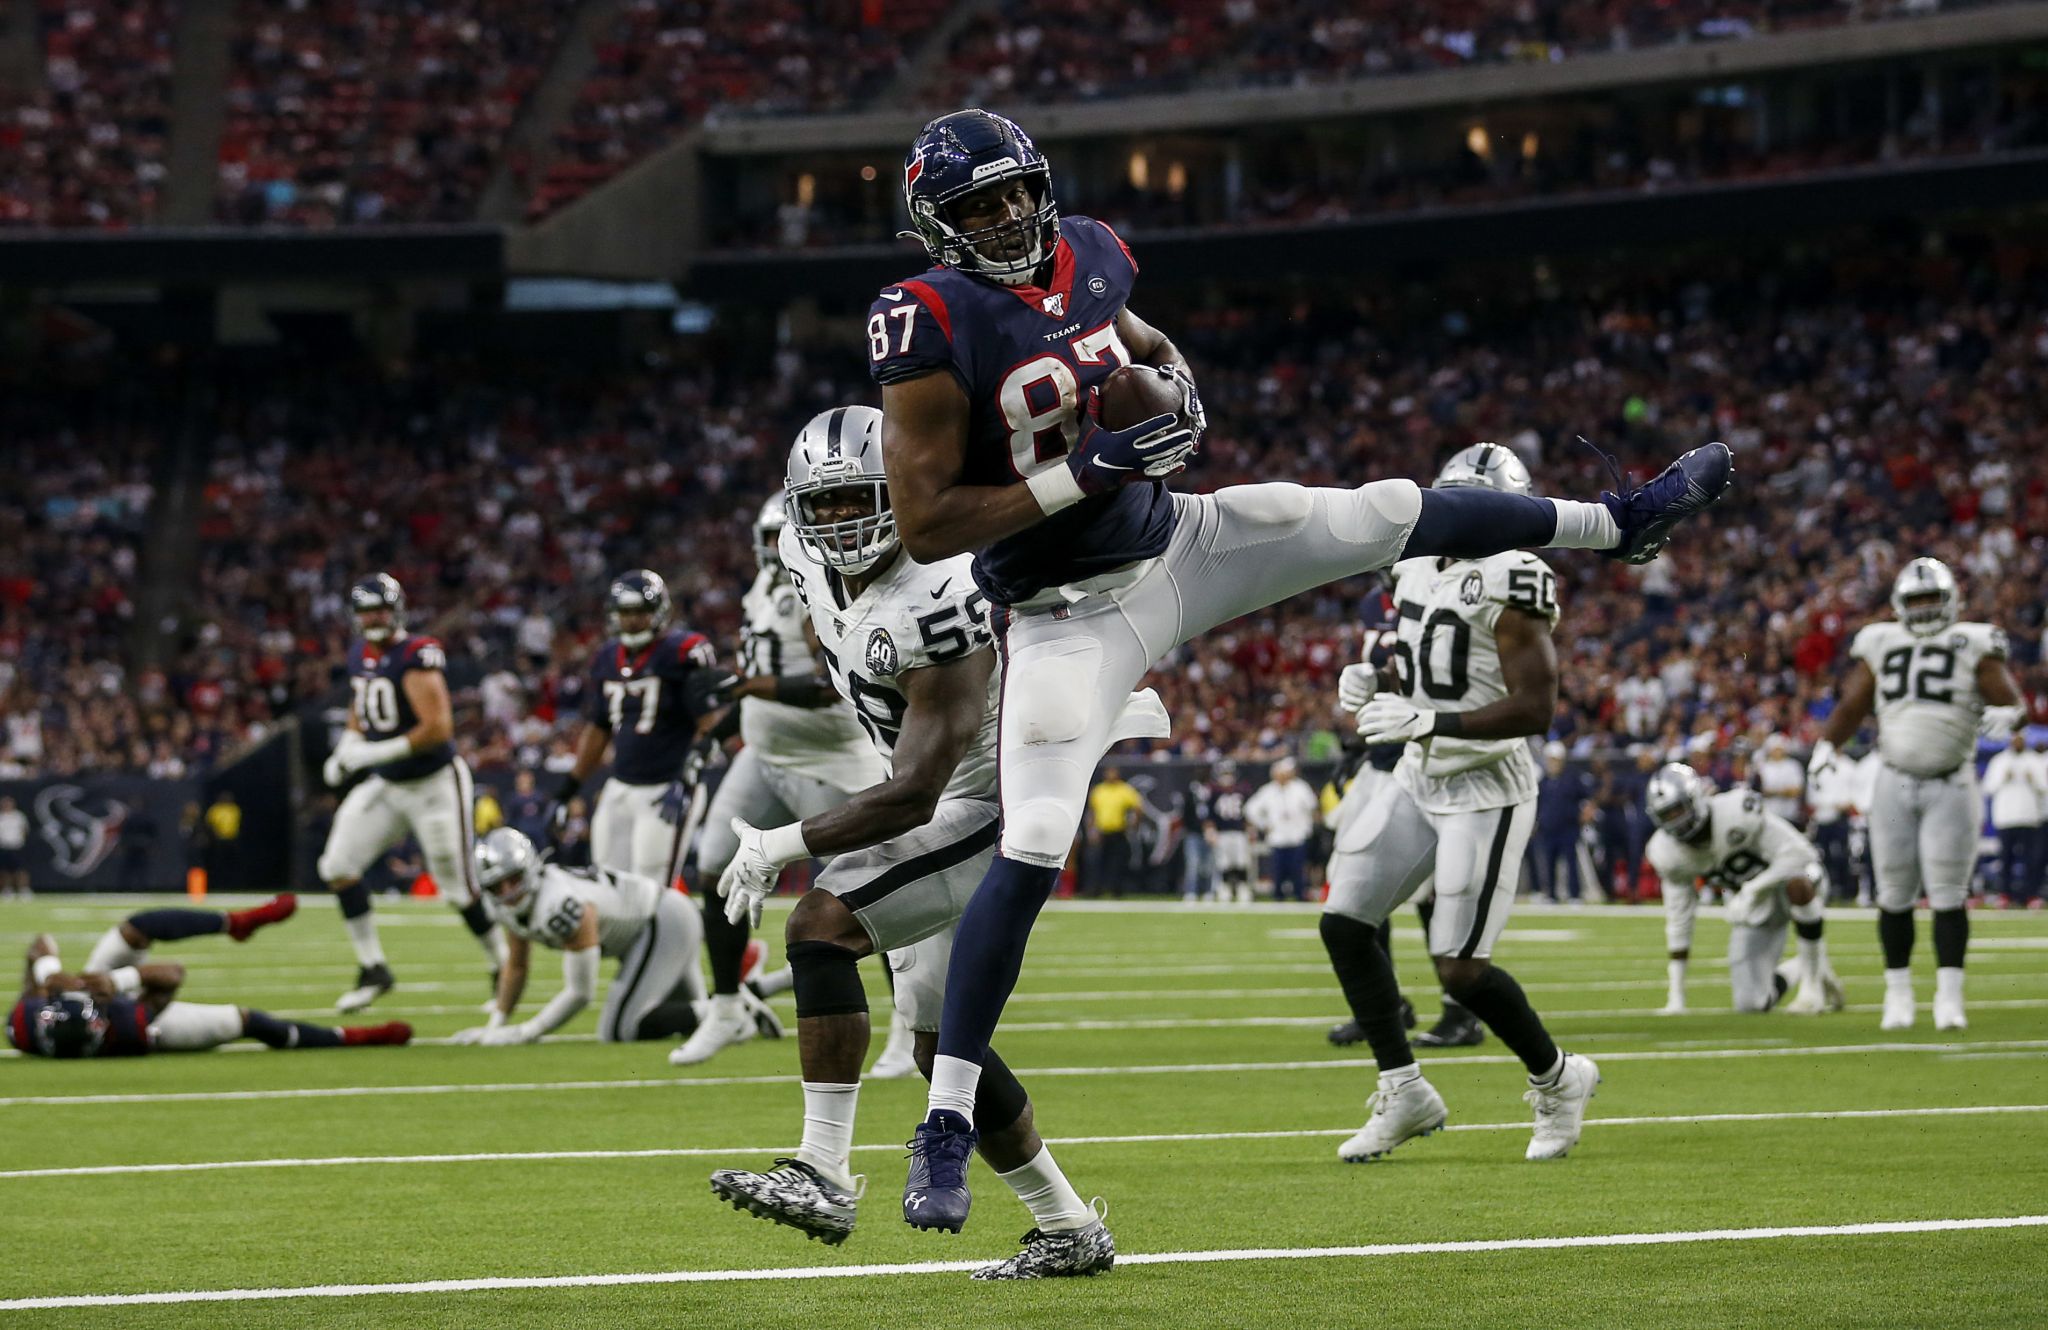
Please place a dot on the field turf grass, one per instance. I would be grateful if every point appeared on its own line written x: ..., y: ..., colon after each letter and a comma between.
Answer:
x: 1197, y: 1031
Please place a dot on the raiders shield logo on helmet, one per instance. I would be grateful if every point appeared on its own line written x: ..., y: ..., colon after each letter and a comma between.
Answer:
x: 881, y: 654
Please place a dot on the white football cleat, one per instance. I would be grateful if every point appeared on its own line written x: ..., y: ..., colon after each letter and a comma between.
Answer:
x: 1833, y: 996
x: 1898, y: 1009
x: 1399, y: 1113
x: 1948, y: 1015
x: 1561, y: 1108
x: 1675, y: 1007
x: 723, y: 1026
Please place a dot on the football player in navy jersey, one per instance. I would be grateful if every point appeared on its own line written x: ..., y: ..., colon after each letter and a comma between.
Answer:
x: 988, y: 364
x: 132, y: 1008
x: 401, y: 740
x: 649, y: 686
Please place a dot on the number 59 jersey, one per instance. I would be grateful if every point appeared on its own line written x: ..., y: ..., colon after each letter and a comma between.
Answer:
x: 1927, y: 701
x: 910, y: 618
x: 1446, y: 659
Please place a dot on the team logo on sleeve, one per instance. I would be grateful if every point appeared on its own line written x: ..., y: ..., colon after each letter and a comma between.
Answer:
x: 1473, y: 589
x: 881, y: 654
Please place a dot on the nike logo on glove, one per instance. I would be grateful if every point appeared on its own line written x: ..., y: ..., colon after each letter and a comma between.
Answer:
x: 1109, y: 466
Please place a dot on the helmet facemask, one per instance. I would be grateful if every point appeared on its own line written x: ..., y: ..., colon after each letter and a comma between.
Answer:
x: 1033, y: 235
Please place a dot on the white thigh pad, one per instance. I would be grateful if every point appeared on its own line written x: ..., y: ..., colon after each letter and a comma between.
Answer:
x: 920, y: 971
x: 1049, y: 691
x: 189, y: 1027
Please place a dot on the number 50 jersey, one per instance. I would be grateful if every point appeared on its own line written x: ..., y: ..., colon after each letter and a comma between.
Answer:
x: 1928, y: 705
x: 1446, y: 658
x: 910, y: 618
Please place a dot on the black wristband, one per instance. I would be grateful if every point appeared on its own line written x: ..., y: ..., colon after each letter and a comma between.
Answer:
x: 567, y: 789
x: 1450, y: 724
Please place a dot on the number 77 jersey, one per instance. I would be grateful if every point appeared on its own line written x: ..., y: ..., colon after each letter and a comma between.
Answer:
x: 1927, y: 701
x: 914, y: 616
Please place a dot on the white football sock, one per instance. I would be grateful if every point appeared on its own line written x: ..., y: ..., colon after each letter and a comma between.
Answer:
x: 1948, y: 983
x: 112, y: 952
x: 1583, y: 526
x: 1899, y: 981
x: 828, y: 1129
x: 954, y: 1083
x: 1400, y: 1076
x: 1047, y: 1194
x: 727, y: 1007
x: 1674, y: 972
x: 362, y: 935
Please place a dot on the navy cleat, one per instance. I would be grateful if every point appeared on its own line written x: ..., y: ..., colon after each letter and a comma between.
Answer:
x: 935, y: 1194
x: 1647, y: 513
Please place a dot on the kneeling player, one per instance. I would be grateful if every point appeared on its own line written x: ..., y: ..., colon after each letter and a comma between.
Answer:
x: 909, y: 647
x: 125, y: 1006
x: 587, y: 914
x: 1771, y: 875
x: 1476, y: 675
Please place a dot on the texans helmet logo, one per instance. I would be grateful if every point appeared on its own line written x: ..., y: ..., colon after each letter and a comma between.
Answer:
x: 80, y: 837
x: 913, y: 168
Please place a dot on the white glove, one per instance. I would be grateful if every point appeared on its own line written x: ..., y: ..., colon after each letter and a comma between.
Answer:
x: 1822, y: 758
x: 1390, y: 720
x: 339, y: 767
x: 750, y: 878
x: 1356, y: 686
x: 2000, y: 722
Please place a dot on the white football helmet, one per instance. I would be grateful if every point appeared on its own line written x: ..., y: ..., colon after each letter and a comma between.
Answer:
x: 1911, y: 592
x: 1676, y: 798
x: 1485, y: 464
x: 768, y: 530
x: 506, y: 865
x: 841, y: 450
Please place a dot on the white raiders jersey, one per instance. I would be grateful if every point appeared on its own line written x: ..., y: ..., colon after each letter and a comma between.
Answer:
x: 1743, y: 841
x: 824, y: 742
x: 1446, y: 660
x: 914, y: 616
x: 1927, y: 701
x: 552, y: 914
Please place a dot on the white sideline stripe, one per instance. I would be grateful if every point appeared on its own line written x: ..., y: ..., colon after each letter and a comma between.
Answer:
x: 1888, y: 1228
x: 710, y: 1151
x: 1159, y: 1069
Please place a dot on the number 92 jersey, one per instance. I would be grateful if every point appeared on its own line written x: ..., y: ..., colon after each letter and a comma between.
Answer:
x: 1027, y: 357
x: 910, y: 618
x: 624, y: 903
x: 1445, y: 657
x: 1742, y: 841
x: 1927, y: 701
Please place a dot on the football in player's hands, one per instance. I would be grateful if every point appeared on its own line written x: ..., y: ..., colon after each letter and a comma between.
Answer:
x: 1134, y: 394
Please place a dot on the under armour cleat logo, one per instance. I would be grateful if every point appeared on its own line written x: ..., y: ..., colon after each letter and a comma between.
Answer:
x: 915, y: 1200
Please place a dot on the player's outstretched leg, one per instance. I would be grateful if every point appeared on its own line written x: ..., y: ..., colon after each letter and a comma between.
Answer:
x: 128, y: 942
x: 276, y: 1033
x: 815, y: 1191
x: 1068, y: 1236
x: 1405, y: 1105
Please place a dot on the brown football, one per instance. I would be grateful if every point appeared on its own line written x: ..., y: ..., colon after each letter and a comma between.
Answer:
x: 1133, y: 394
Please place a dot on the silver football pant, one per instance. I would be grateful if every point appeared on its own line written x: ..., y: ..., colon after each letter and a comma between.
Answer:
x: 1923, y: 837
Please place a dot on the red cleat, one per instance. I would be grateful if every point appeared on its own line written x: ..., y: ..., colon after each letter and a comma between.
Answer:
x: 393, y: 1033
x: 241, y: 923
x: 752, y: 958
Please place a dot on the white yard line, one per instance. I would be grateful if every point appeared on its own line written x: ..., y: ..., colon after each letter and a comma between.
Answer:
x: 1564, y: 1243
x: 1160, y: 1069
x: 711, y: 1152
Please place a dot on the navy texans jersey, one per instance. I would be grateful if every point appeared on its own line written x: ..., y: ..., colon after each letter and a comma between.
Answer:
x: 127, y: 1026
x: 1226, y: 805
x: 376, y: 676
x: 649, y: 701
x: 1027, y: 357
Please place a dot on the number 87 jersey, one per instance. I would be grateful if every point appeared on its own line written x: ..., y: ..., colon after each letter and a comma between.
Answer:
x: 1927, y: 701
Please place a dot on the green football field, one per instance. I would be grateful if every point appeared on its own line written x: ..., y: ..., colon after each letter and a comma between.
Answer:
x: 1737, y: 1171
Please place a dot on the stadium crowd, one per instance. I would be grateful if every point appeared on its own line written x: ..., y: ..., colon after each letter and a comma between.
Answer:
x: 1881, y: 408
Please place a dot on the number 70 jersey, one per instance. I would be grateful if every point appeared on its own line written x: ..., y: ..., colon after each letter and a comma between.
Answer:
x: 1927, y: 701
x: 914, y: 616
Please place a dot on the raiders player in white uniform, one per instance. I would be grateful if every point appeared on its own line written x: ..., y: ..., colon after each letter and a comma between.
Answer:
x: 1936, y: 684
x: 1770, y: 875
x: 909, y: 646
x: 805, y: 753
x: 589, y: 914
x: 1474, y: 676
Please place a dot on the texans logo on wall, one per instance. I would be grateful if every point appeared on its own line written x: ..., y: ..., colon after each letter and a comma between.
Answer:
x: 81, y: 829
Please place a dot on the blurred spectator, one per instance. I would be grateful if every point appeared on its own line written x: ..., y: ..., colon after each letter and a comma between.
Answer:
x: 13, y: 850
x: 1781, y: 778
x: 2017, y: 781
x: 1561, y: 796
x: 1114, y: 805
x: 1286, y: 812
x: 224, y: 843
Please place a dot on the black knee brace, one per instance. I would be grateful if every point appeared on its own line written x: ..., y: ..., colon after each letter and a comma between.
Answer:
x: 826, y: 979
x: 999, y: 1100
x: 354, y: 900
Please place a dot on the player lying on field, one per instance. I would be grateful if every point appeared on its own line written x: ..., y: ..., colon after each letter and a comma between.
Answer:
x: 909, y: 646
x: 1772, y: 876
x: 124, y: 1006
x: 588, y: 914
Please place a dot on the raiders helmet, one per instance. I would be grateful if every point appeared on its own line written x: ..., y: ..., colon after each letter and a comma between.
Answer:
x: 640, y: 591
x: 966, y: 151
x: 505, y: 866
x: 69, y: 1025
x: 379, y: 591
x: 768, y: 530
x: 1924, y: 597
x: 1487, y: 464
x: 839, y: 450
x: 1676, y: 798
